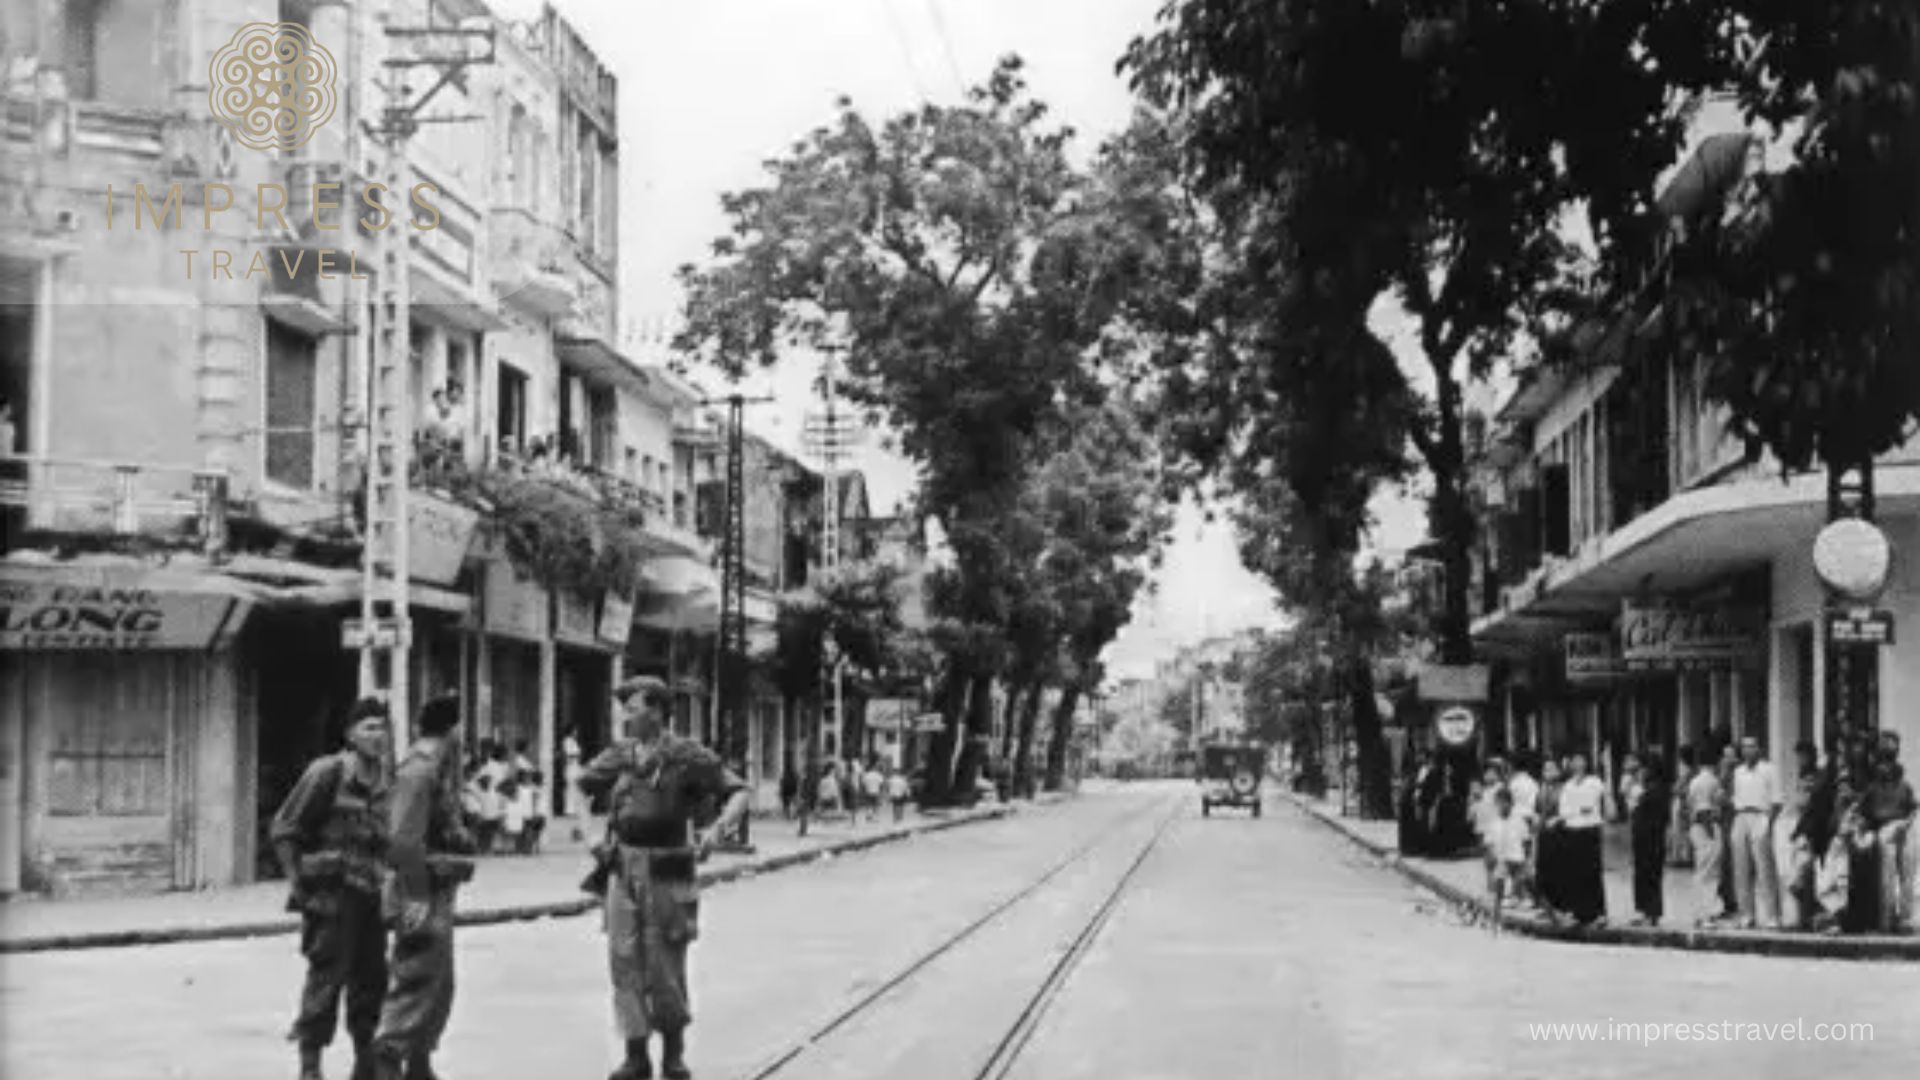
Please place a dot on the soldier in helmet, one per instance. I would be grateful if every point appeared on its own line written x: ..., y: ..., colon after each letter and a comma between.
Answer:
x: 657, y: 783
x: 429, y: 856
x: 330, y: 837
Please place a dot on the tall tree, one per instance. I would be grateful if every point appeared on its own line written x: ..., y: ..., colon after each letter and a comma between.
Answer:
x: 1422, y: 152
x: 955, y: 255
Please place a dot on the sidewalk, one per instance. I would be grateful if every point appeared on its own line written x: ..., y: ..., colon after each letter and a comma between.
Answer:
x: 1462, y: 882
x: 505, y: 888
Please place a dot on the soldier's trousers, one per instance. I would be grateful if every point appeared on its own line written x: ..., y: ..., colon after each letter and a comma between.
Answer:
x: 650, y: 922
x: 420, y: 996
x: 344, y: 940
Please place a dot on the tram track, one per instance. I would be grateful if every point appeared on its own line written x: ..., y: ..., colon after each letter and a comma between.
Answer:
x: 1014, y: 1038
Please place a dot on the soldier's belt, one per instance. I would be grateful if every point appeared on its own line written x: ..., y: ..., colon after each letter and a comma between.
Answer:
x: 676, y: 863
x: 651, y: 834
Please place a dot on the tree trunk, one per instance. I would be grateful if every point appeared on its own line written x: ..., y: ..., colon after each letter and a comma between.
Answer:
x: 1023, y: 756
x: 1375, y: 768
x: 948, y: 699
x: 1010, y: 719
x: 1061, y: 736
x: 1453, y: 528
x: 979, y: 731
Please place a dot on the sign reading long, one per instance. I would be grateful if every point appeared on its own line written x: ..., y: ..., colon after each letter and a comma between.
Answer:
x: 41, y: 616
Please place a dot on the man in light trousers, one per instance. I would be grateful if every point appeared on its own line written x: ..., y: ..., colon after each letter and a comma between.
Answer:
x: 1703, y: 831
x: 1756, y: 800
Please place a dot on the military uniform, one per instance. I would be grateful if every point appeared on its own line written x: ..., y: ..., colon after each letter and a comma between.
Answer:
x: 331, y: 835
x: 653, y: 904
x: 428, y: 849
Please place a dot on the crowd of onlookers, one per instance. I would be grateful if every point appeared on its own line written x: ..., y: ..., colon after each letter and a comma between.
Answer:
x: 847, y: 788
x: 1832, y: 848
x: 504, y: 799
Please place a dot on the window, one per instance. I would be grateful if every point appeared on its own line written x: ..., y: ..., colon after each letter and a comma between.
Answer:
x: 511, y: 416
x: 114, y: 49
x: 291, y: 383
x: 585, y: 210
x: 604, y: 435
x: 520, y: 157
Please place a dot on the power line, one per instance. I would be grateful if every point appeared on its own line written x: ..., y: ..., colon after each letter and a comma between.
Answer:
x: 906, y: 49
x: 946, y: 46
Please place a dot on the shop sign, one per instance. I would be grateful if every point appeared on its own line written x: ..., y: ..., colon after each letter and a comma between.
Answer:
x: 1672, y: 637
x: 513, y: 606
x: 1466, y: 682
x: 616, y: 619
x: 438, y: 536
x: 47, y: 616
x: 574, y: 619
x: 891, y: 714
x: 1860, y: 626
x: 1455, y: 724
x: 1593, y: 658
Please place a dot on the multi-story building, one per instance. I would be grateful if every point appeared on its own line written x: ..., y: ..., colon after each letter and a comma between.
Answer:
x: 1647, y: 579
x: 187, y: 382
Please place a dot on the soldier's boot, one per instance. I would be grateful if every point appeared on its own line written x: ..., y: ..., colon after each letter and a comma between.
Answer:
x: 365, y: 1062
x: 638, y: 1066
x: 420, y: 1067
x: 310, y: 1062
x: 389, y: 1062
x: 673, y: 1055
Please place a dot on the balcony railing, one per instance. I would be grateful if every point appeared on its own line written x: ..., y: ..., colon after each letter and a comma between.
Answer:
x: 70, y: 496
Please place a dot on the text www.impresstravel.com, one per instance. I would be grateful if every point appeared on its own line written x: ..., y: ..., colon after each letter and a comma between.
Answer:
x: 1798, y: 1030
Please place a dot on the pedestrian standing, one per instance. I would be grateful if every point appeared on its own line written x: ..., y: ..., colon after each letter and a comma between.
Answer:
x: 898, y: 792
x: 428, y: 855
x: 1793, y: 852
x: 874, y: 787
x: 1648, y: 821
x: 330, y: 837
x: 1756, y: 800
x: 1548, y: 854
x: 1583, y: 811
x: 1888, y: 808
x: 789, y: 789
x: 656, y: 783
x: 1506, y: 839
x: 1703, y: 810
x: 1484, y: 814
x: 1729, y: 761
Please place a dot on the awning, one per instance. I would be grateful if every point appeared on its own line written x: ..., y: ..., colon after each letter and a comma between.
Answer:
x: 117, y: 604
x: 599, y: 359
x: 437, y: 300
x: 678, y: 576
x: 1686, y: 543
x: 289, y: 583
x: 678, y: 593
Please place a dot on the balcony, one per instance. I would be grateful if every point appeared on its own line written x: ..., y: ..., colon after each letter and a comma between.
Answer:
x: 64, y: 497
x: 529, y: 263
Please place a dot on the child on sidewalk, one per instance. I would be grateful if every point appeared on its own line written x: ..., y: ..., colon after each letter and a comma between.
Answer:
x: 533, y: 802
x: 1506, y: 839
x: 898, y: 793
x: 1484, y: 812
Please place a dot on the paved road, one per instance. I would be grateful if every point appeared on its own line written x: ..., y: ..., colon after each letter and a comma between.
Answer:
x: 1261, y: 948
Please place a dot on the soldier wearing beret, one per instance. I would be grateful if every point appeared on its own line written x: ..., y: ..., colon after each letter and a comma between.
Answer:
x: 657, y: 784
x: 330, y: 837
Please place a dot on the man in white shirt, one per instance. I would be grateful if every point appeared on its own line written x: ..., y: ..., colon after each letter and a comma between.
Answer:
x: 1756, y: 801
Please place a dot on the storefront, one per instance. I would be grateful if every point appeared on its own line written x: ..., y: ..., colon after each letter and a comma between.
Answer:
x: 124, y: 764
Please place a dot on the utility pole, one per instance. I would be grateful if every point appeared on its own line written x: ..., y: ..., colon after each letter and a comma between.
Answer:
x: 828, y: 437
x: 731, y: 736
x: 384, y: 634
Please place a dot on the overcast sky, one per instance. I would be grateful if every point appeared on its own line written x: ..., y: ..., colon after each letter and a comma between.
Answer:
x: 710, y: 91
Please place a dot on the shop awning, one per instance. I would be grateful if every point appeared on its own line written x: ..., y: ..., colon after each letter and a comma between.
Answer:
x: 1686, y: 543
x: 119, y: 604
x: 290, y: 583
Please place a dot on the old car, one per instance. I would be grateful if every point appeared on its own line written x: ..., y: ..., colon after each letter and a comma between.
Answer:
x: 1230, y: 776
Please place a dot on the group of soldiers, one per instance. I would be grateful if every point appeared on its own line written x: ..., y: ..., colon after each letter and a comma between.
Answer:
x: 375, y: 862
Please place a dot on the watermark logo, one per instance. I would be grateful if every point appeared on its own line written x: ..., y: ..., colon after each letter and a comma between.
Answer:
x: 272, y: 85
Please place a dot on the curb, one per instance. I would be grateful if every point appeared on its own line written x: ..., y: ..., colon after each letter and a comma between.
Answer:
x: 116, y: 939
x: 1803, y: 946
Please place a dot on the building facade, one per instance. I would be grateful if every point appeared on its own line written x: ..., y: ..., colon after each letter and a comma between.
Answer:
x: 1647, y: 581
x: 188, y: 387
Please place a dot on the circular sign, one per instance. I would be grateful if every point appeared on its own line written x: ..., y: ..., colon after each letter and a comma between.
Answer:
x: 1454, y: 725
x: 1853, y: 557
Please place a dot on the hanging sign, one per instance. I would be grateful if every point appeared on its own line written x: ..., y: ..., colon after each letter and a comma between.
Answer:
x: 514, y: 606
x: 616, y: 619
x: 1865, y: 627
x: 1593, y: 658
x: 575, y: 620
x: 1465, y: 682
x: 1674, y: 637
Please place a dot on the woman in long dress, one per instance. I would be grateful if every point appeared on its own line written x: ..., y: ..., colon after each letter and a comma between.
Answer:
x: 1649, y: 823
x: 1583, y: 813
x: 1549, y: 878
